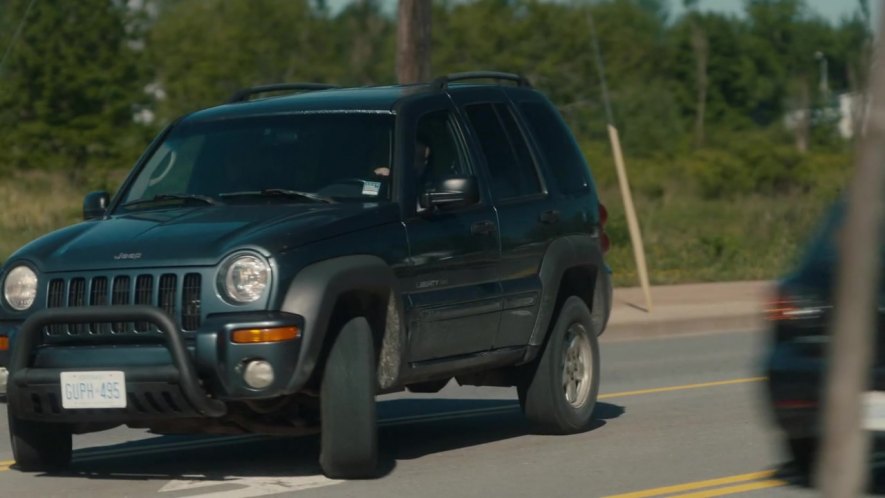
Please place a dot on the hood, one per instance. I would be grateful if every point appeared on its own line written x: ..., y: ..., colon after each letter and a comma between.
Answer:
x: 196, y: 236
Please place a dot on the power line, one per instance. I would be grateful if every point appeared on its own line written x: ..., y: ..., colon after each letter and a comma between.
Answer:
x: 18, y: 32
x: 600, y: 69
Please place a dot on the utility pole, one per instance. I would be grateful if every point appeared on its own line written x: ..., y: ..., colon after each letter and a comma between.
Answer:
x: 413, y: 40
x: 843, y: 464
x: 824, y: 74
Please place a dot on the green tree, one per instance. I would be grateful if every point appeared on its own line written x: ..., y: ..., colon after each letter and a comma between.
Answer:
x: 69, y: 87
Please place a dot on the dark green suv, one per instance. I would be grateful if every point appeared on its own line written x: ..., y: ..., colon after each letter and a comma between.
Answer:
x: 270, y: 265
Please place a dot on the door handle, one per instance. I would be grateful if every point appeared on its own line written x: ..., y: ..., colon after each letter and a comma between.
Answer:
x: 549, y: 217
x: 482, y: 228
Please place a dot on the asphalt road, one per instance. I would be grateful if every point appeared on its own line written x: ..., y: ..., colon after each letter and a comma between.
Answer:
x: 679, y: 416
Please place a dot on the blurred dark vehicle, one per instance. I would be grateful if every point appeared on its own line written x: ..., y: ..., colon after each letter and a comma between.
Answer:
x: 799, y: 317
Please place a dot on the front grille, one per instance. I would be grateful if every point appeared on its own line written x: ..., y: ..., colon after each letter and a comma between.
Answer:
x: 180, y: 302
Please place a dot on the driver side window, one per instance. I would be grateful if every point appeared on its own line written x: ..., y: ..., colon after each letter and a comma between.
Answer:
x: 436, y: 154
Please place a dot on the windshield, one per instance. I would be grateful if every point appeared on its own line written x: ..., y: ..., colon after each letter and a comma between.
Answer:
x: 327, y: 157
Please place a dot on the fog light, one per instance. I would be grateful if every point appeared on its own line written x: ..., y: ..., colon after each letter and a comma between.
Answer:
x: 258, y: 374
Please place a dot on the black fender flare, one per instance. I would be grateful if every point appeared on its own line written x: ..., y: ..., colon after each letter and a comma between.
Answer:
x: 561, y: 255
x: 314, y: 293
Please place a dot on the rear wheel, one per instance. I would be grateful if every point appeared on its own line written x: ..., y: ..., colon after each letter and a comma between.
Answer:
x: 804, y: 453
x: 38, y: 446
x: 349, y: 437
x: 560, y: 390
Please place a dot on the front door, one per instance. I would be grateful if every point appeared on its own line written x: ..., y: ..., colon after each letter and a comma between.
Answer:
x: 451, y: 284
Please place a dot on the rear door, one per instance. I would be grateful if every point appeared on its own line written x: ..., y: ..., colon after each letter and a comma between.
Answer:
x: 451, y: 283
x: 528, y: 217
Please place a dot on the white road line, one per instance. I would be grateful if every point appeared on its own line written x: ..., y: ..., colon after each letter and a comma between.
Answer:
x: 250, y: 486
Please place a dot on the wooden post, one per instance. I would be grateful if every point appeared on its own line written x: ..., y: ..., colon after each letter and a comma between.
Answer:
x: 630, y: 211
x: 413, y: 41
x: 620, y: 167
x: 844, y: 463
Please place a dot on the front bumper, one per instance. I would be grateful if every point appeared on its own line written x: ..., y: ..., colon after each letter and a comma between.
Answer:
x: 176, y: 378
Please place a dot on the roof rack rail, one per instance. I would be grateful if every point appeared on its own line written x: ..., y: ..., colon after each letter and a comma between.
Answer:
x: 442, y: 82
x: 244, y: 94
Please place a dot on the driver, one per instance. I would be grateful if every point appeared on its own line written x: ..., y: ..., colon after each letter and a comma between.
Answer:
x: 420, y: 161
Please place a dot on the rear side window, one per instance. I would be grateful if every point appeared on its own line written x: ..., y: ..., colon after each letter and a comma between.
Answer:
x: 510, y: 164
x: 559, y: 148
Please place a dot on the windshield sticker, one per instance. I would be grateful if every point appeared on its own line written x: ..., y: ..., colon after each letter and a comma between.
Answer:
x: 371, y: 188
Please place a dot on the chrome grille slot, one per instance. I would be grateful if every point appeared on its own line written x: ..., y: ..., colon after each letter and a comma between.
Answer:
x: 120, y: 295
x: 77, y: 297
x: 144, y: 285
x: 166, y: 294
x: 190, y: 302
x: 55, y: 298
x: 98, y: 296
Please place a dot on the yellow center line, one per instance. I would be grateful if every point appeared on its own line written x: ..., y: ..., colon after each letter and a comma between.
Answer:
x: 5, y: 464
x: 690, y: 486
x: 731, y: 490
x: 681, y: 388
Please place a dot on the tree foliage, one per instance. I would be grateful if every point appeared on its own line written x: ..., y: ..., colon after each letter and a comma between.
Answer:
x: 82, y: 71
x: 70, y: 86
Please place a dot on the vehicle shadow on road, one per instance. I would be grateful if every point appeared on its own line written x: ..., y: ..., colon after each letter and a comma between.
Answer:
x: 409, y: 429
x: 454, y: 424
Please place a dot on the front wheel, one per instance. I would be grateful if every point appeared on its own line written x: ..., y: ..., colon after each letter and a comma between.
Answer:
x: 38, y: 446
x: 559, y: 391
x: 349, y: 431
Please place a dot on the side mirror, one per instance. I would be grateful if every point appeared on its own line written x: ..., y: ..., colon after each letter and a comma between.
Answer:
x: 95, y: 204
x: 452, y: 192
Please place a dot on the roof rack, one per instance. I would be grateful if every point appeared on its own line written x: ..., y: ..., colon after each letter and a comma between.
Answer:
x: 442, y: 82
x: 244, y: 94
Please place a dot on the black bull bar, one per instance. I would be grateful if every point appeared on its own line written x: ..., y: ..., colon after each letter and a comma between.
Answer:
x: 28, y: 338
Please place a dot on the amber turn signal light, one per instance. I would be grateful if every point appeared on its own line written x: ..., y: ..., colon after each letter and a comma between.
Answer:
x: 4, y: 344
x: 252, y: 336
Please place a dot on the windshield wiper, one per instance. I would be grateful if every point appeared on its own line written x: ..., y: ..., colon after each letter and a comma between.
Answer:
x: 280, y: 192
x: 204, y: 199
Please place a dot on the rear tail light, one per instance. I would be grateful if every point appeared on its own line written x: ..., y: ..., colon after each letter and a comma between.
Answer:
x: 787, y: 306
x: 4, y: 344
x: 794, y: 404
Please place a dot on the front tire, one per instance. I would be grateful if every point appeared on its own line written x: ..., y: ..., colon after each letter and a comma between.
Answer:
x: 559, y: 393
x: 38, y: 446
x: 349, y: 431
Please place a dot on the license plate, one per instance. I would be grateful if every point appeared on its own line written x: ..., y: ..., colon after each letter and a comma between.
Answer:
x: 81, y: 390
x: 874, y: 410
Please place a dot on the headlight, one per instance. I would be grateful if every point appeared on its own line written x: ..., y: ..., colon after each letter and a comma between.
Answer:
x: 20, y: 288
x: 244, y: 278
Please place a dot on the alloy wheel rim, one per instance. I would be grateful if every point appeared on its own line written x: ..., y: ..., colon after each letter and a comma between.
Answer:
x: 577, y: 366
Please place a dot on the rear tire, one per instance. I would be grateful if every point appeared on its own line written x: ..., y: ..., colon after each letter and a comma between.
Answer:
x: 559, y: 392
x: 349, y: 431
x: 38, y: 446
x: 804, y: 453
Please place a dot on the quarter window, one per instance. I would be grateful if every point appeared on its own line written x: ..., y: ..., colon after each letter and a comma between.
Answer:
x: 510, y: 163
x: 562, y: 154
